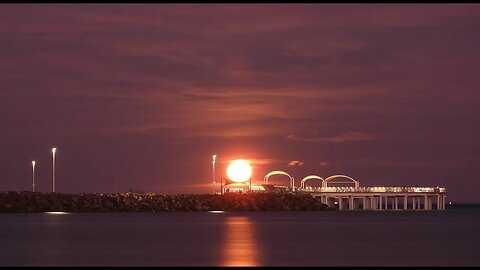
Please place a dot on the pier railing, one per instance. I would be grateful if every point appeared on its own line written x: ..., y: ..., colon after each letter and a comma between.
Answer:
x: 374, y: 189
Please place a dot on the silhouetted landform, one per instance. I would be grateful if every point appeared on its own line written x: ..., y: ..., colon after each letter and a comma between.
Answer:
x: 28, y: 202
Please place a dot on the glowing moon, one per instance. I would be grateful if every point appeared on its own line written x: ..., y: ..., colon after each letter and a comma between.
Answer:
x: 239, y: 170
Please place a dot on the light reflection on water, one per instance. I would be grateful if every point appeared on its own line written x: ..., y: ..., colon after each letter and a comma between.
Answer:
x: 336, y: 238
x: 240, y: 247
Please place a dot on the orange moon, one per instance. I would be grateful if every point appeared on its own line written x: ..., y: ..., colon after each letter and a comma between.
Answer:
x: 239, y: 171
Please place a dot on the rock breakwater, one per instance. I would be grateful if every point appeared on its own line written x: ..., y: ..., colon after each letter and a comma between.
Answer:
x: 29, y: 202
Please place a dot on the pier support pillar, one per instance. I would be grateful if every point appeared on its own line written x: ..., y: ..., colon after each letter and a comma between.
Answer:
x: 329, y: 202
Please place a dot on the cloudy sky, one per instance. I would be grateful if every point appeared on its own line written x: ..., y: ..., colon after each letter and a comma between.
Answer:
x: 139, y: 97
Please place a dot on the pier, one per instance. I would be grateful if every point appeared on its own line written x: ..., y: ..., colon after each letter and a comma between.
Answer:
x: 355, y: 197
x: 380, y: 198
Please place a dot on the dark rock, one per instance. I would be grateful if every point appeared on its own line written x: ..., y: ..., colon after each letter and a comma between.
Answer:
x: 108, y: 204
x: 151, y: 202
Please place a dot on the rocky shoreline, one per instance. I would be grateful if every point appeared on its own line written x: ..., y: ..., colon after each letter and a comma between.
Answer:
x: 31, y: 202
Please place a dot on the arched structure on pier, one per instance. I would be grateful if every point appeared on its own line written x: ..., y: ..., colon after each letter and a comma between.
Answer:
x: 302, y: 183
x: 292, y: 181
x: 330, y: 178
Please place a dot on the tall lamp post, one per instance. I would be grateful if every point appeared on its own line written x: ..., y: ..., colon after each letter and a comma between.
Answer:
x: 53, y: 168
x: 33, y: 176
x: 213, y: 169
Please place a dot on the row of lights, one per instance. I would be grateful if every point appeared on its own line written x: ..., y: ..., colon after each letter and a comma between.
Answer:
x: 380, y: 189
x: 53, y: 171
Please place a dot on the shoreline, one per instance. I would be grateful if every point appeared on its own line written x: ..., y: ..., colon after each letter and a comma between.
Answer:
x: 36, y: 202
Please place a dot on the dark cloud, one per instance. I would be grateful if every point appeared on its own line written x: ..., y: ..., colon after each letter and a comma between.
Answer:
x: 295, y: 163
x: 346, y: 137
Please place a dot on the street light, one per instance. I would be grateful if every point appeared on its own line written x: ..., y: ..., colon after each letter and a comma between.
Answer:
x: 33, y: 176
x: 213, y: 169
x: 53, y: 169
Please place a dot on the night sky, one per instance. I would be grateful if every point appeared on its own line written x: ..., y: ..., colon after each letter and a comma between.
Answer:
x: 139, y: 97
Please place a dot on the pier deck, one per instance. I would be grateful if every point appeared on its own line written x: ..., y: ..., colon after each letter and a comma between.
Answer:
x: 379, y: 198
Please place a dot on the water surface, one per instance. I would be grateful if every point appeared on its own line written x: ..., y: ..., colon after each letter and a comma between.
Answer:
x: 341, y: 238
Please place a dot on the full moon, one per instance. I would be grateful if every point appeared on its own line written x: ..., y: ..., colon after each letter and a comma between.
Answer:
x: 239, y: 170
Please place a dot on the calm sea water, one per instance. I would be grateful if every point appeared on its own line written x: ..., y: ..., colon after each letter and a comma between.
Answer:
x: 342, y: 238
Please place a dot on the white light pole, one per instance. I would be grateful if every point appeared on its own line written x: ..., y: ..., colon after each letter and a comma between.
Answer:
x: 33, y: 176
x: 53, y: 169
x: 213, y: 163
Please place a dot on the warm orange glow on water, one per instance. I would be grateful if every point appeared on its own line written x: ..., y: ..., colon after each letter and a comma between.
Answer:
x: 240, y: 247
